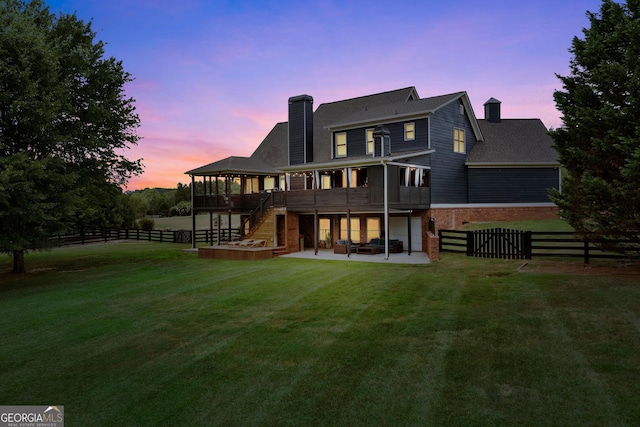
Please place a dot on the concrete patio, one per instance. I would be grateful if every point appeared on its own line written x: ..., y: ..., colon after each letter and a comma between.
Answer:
x: 327, y: 254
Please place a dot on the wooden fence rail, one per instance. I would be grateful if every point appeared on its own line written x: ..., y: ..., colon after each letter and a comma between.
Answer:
x: 163, y: 236
x: 498, y: 243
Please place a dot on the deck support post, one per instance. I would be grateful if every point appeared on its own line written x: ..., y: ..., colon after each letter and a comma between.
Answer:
x: 193, y: 212
x: 348, y: 233
x: 386, y: 211
x: 315, y: 232
x: 409, y: 233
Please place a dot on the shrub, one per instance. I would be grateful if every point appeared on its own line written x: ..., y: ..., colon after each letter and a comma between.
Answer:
x: 146, y: 224
x: 181, y: 209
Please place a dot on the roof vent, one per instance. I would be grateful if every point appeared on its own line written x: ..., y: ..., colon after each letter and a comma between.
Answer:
x: 492, y: 110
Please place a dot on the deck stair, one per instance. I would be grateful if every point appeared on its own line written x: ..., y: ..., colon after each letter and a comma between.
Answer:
x: 264, y: 228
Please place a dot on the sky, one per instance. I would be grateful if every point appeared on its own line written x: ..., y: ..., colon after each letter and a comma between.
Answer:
x: 212, y: 77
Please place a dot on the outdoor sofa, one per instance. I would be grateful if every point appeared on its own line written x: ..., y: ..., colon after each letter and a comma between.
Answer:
x: 395, y: 246
x: 341, y: 246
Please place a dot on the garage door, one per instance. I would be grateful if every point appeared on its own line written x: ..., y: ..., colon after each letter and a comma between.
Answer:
x: 399, y: 230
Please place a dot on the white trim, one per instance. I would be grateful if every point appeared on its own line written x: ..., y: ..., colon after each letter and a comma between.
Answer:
x: 409, y: 165
x: 463, y: 142
x: 405, y: 131
x: 521, y: 165
x: 396, y: 118
x: 366, y: 142
x: 366, y: 161
x: 335, y: 142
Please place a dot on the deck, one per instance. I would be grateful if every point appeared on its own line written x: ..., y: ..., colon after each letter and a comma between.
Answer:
x: 238, y: 253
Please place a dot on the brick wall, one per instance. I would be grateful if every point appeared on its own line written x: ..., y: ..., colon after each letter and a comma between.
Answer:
x: 452, y: 218
x: 293, y: 234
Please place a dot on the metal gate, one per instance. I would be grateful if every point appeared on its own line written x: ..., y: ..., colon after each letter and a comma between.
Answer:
x: 499, y: 243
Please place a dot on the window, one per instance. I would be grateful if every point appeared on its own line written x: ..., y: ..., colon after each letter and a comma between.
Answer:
x: 369, y: 138
x: 269, y: 183
x: 458, y: 140
x: 355, y: 229
x: 409, y: 131
x: 341, y: 144
x: 324, y: 229
x: 373, y: 228
x: 325, y: 182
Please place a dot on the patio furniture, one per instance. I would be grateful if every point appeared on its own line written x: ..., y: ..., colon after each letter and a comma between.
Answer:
x: 341, y: 247
x: 368, y: 250
x: 395, y: 246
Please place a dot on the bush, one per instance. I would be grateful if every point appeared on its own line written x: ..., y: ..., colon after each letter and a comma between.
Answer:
x: 181, y: 209
x: 146, y: 224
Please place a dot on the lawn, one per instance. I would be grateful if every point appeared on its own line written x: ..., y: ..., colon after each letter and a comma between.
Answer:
x: 144, y: 334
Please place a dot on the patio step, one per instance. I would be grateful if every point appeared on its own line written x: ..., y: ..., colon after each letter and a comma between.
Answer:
x: 281, y: 250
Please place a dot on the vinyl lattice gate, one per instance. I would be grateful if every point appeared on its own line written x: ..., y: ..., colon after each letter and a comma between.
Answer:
x: 499, y: 243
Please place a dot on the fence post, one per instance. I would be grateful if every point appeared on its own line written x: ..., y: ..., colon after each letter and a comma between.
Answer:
x: 586, y: 251
x: 527, y: 250
x: 469, y: 243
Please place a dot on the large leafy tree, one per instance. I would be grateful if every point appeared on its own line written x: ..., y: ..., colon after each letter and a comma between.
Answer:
x: 65, y: 122
x: 599, y: 142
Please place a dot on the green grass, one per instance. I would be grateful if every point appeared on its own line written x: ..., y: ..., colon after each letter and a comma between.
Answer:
x: 203, y: 222
x: 533, y: 225
x: 144, y: 334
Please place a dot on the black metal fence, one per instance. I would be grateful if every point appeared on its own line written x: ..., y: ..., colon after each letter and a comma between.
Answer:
x: 501, y: 243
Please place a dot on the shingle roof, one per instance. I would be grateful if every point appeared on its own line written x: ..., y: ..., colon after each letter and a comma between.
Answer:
x: 333, y: 112
x: 274, y: 148
x: 513, y: 141
x: 508, y: 142
x: 235, y: 165
x: 397, y: 109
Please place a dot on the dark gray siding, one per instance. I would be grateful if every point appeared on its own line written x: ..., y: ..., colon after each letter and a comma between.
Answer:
x: 301, y: 131
x: 357, y: 139
x: 511, y: 185
x: 448, y: 171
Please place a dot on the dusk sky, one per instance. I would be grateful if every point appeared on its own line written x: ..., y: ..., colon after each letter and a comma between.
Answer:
x: 213, y: 77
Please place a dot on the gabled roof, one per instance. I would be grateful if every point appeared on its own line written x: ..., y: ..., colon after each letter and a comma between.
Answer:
x: 395, y: 111
x: 274, y: 148
x: 235, y: 165
x: 333, y: 112
x: 514, y: 142
x: 407, y: 111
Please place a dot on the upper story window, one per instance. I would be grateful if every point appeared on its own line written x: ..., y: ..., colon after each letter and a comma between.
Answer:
x: 369, y: 137
x: 409, y: 131
x: 341, y: 144
x: 458, y: 141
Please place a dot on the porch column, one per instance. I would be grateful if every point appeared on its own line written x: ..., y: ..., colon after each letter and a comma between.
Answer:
x: 348, y: 233
x: 193, y: 212
x: 216, y: 193
x: 409, y: 232
x: 386, y: 211
x: 315, y: 232
x: 229, y: 224
x: 219, y: 229
x: 383, y: 134
x: 211, y: 226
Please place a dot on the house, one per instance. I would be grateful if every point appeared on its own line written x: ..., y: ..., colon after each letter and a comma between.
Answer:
x: 388, y: 164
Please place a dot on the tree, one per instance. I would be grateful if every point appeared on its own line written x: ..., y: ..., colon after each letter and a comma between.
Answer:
x: 599, y: 142
x: 64, y: 123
